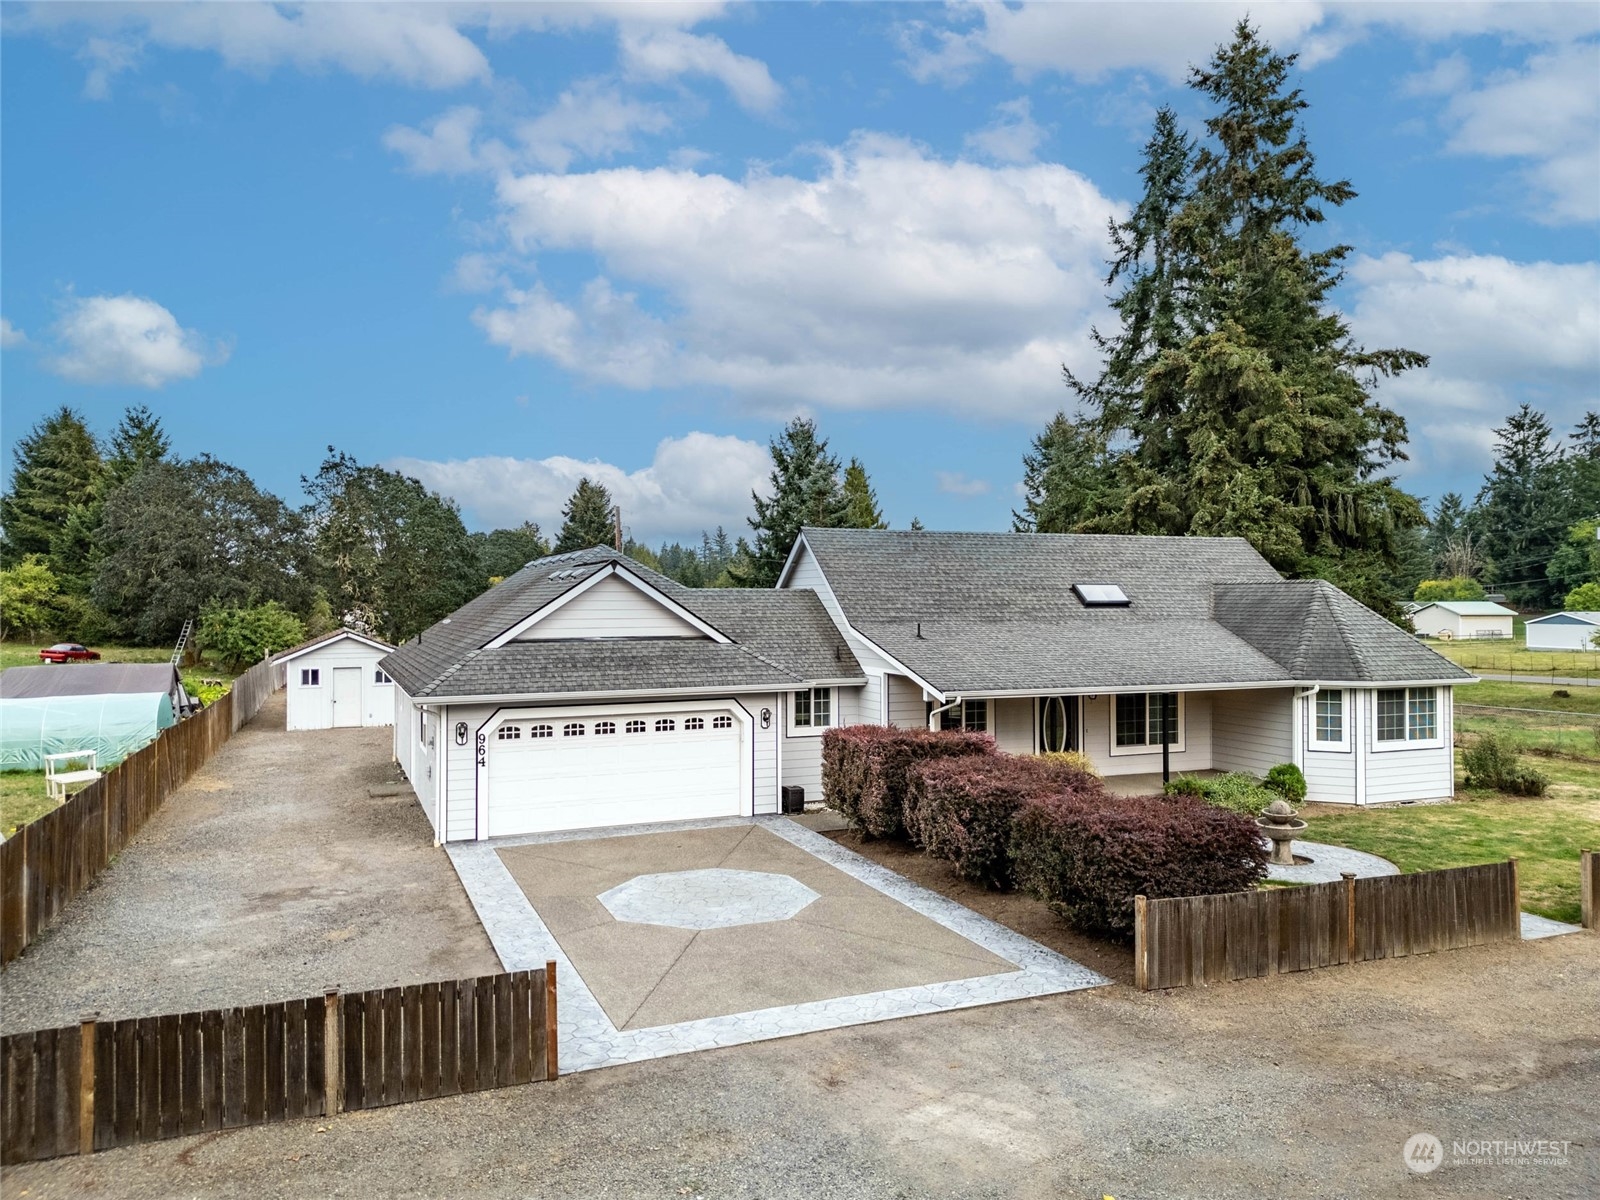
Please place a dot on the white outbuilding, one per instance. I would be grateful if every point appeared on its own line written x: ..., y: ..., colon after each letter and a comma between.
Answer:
x: 1463, y: 619
x: 334, y: 681
x: 1564, y: 631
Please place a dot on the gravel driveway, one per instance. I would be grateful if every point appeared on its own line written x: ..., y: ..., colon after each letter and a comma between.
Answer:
x: 269, y: 875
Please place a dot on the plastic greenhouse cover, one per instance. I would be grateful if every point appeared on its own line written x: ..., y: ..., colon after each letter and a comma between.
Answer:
x: 112, y: 726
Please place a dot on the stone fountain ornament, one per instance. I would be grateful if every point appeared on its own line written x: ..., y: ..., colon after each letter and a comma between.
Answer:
x: 1280, y: 823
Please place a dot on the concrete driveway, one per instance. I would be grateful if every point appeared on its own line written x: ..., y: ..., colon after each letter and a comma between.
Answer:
x: 271, y: 874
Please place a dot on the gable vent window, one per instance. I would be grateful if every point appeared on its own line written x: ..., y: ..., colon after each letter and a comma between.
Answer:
x: 1101, y: 595
x: 695, y: 723
x: 636, y: 727
x: 572, y: 730
x: 541, y: 731
x: 509, y: 733
x: 666, y: 725
x: 601, y: 728
x: 722, y: 722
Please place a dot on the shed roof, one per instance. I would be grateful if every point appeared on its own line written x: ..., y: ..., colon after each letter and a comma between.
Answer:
x: 1591, y: 618
x: 333, y: 635
x: 89, y: 679
x: 1470, y: 608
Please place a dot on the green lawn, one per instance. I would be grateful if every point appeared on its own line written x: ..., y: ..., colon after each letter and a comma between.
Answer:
x: 1544, y: 835
x: 1514, y: 658
x: 1544, y: 731
x: 22, y: 799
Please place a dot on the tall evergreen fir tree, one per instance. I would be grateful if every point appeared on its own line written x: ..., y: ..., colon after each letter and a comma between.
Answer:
x: 1065, y: 477
x: 1525, y: 507
x: 57, y: 468
x: 139, y: 440
x: 861, y: 501
x: 806, y: 490
x: 586, y: 519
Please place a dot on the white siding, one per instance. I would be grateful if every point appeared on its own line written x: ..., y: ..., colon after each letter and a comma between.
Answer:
x: 1550, y: 635
x: 610, y: 609
x: 859, y: 706
x: 1196, y: 754
x: 1253, y: 729
x: 908, y: 708
x: 1423, y: 774
x: 1493, y: 627
x: 766, y: 750
x: 424, y: 733
x: 1011, y: 722
x: 311, y: 707
x: 802, y: 757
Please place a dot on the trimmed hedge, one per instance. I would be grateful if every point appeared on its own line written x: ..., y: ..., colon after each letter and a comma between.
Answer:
x: 1087, y: 857
x: 962, y: 809
x: 1288, y: 781
x: 1236, y: 791
x: 864, y: 769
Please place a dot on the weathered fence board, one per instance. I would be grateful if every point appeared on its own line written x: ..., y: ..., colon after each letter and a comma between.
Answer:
x: 1190, y: 940
x: 1589, y: 871
x: 52, y: 860
x: 150, y: 1078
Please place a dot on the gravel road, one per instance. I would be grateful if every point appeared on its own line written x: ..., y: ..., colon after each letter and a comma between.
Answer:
x: 269, y: 875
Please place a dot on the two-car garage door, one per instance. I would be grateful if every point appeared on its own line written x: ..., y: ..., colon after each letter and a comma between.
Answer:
x: 579, y: 770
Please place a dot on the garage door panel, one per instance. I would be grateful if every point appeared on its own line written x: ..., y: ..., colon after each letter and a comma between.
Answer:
x: 543, y: 784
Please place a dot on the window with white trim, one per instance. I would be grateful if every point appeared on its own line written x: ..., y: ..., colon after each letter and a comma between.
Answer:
x: 1138, y: 721
x: 310, y: 677
x: 694, y: 723
x: 1328, y: 724
x: 811, y: 709
x: 541, y: 731
x: 379, y: 677
x: 1408, y: 714
x: 572, y: 729
x: 636, y: 727
x: 508, y: 733
x: 722, y: 722
x: 970, y: 715
x: 601, y: 728
x: 666, y: 725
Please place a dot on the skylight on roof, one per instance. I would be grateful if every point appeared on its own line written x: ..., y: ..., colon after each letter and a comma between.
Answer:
x: 1101, y: 595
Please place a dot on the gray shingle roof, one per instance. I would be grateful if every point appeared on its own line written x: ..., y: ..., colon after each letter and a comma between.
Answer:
x: 997, y: 612
x: 778, y: 640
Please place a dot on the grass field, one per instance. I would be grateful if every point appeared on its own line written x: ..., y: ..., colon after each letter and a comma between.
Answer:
x: 1544, y: 835
x: 1514, y: 658
x: 26, y: 654
x: 22, y: 799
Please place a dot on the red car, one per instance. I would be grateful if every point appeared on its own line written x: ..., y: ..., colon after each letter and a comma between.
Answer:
x: 63, y: 652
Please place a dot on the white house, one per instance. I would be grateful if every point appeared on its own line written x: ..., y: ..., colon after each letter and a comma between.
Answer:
x: 1564, y: 631
x: 1463, y: 619
x: 588, y: 691
x: 335, y: 681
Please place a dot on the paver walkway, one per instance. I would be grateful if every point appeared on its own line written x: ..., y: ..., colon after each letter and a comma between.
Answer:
x: 872, y: 947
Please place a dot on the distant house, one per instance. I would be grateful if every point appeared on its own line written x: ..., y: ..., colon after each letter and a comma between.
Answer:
x: 1564, y: 631
x: 110, y: 708
x: 334, y: 681
x: 1463, y: 619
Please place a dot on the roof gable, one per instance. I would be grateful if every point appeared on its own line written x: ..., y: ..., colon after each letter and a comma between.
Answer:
x: 612, y: 602
x: 327, y: 639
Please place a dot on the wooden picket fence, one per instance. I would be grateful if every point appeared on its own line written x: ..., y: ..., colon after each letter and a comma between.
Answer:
x: 102, y: 1084
x: 51, y: 860
x: 1189, y: 940
x: 1589, y: 872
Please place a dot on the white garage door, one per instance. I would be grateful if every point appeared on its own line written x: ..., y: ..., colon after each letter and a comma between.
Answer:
x: 563, y: 771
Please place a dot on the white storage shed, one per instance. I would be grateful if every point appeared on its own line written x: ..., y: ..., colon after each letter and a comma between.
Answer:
x: 1463, y: 619
x: 1564, y: 631
x: 335, y: 682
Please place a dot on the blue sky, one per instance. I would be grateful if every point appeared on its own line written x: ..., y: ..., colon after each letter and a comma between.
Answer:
x: 501, y: 246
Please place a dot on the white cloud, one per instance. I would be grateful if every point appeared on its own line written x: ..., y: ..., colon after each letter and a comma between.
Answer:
x: 955, y: 483
x: 447, y: 145
x: 892, y: 278
x: 1499, y: 332
x: 107, y: 58
x: 10, y: 336
x: 662, y: 55
x: 129, y: 340
x: 695, y: 482
x: 589, y: 120
x: 1012, y: 137
x: 1547, y: 112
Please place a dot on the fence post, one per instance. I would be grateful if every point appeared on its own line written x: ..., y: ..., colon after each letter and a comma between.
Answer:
x: 1587, y: 864
x: 332, y: 1052
x: 1141, y: 943
x: 1516, y: 902
x: 1349, y: 878
x: 86, y: 1068
x: 552, y: 1058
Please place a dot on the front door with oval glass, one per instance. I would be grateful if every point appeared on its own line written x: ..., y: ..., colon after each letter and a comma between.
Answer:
x: 1058, y: 723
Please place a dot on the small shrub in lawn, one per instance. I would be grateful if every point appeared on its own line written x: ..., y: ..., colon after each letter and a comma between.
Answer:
x: 1236, y: 791
x: 1493, y: 760
x: 1288, y: 781
x: 864, y: 770
x: 1069, y: 758
x: 1186, y: 785
x: 1087, y: 857
x: 961, y: 809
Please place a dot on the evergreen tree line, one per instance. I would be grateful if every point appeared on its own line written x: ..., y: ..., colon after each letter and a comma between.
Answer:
x: 1231, y: 398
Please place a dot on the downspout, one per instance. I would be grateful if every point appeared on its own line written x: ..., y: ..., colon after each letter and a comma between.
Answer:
x: 935, y: 713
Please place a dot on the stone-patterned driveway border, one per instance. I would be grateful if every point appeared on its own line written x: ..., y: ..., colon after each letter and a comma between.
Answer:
x: 589, y: 1040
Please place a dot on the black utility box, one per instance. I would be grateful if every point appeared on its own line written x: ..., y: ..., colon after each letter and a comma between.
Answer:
x: 794, y: 799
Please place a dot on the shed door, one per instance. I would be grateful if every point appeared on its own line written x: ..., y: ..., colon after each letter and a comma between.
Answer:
x: 346, y: 696
x: 614, y: 768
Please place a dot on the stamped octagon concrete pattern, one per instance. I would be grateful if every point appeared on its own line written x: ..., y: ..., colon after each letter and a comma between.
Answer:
x: 713, y: 933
